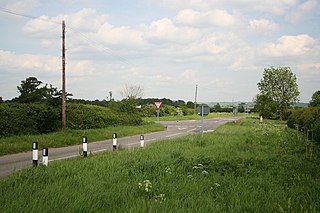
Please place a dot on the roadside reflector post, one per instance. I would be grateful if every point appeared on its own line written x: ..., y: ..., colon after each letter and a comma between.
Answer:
x: 114, y: 141
x: 85, y: 146
x: 45, y: 157
x: 261, y: 119
x: 141, y: 140
x: 35, y: 154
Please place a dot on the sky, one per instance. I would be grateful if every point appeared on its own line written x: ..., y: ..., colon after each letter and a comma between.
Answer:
x: 166, y: 47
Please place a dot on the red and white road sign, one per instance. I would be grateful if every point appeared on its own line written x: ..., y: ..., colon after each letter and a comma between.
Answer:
x: 158, y: 104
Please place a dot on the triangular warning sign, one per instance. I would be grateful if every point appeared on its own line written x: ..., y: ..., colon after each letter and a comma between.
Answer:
x: 158, y: 104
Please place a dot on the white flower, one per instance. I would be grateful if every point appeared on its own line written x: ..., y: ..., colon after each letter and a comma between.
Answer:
x: 205, y: 172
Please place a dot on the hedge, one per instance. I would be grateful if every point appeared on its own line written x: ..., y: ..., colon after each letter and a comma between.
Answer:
x: 306, y: 120
x: 27, y: 119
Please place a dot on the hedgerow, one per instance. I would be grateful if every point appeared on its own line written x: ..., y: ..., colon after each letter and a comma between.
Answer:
x: 306, y: 120
x: 29, y: 119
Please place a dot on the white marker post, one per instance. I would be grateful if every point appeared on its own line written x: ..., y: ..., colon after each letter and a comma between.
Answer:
x: 114, y: 141
x: 261, y: 119
x: 45, y: 157
x: 141, y: 140
x: 35, y: 154
x: 85, y: 146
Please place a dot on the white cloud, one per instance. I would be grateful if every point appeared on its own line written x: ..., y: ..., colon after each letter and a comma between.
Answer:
x: 263, y: 25
x: 13, y: 61
x: 43, y: 63
x: 303, y: 10
x: 278, y: 7
x: 210, y: 18
x: 19, y: 5
x: 290, y: 46
x: 165, y: 30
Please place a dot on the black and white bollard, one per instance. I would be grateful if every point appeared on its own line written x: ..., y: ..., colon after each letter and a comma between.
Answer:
x: 85, y: 146
x: 45, y: 157
x: 141, y: 140
x: 261, y: 119
x: 114, y: 141
x: 35, y: 154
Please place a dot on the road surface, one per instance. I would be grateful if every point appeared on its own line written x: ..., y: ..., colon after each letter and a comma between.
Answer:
x: 15, y: 162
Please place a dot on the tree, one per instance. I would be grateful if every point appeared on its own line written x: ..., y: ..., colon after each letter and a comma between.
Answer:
x: 278, y: 90
x: 315, y: 100
x: 30, y: 91
x: 132, y: 92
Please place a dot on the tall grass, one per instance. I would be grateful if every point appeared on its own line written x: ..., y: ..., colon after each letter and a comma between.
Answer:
x: 241, y: 167
x: 16, y: 144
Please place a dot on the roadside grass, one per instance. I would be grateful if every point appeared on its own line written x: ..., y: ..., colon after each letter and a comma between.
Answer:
x: 195, y: 117
x: 243, y: 166
x: 16, y: 144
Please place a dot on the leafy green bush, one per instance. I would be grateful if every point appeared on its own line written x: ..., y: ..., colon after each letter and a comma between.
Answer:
x: 80, y: 116
x: 306, y: 120
x: 22, y: 119
x: 27, y: 119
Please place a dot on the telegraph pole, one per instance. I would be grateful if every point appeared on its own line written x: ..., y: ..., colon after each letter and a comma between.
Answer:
x: 195, y: 99
x: 64, y: 123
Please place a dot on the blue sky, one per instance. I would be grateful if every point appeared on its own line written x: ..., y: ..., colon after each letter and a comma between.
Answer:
x: 165, y: 46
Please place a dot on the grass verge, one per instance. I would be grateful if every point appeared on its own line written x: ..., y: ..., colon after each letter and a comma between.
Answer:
x: 195, y: 117
x: 241, y: 167
x: 16, y: 144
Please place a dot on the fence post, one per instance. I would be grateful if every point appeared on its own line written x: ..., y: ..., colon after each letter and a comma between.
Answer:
x: 85, y: 146
x: 141, y: 140
x: 35, y: 154
x: 45, y: 157
x: 114, y: 141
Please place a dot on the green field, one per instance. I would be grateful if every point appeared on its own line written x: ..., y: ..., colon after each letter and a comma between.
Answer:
x: 196, y: 117
x: 16, y: 144
x: 241, y: 167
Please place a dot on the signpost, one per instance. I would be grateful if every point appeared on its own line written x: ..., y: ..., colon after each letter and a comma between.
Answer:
x: 203, y: 110
x: 158, y: 105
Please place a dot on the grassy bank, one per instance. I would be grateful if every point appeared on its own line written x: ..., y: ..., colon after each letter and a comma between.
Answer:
x: 241, y: 167
x: 16, y: 144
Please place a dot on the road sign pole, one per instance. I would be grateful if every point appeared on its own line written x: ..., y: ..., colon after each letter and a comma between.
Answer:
x: 158, y: 114
x: 202, y: 112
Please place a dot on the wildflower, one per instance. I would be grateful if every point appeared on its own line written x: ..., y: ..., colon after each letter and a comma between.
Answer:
x: 168, y: 170
x: 160, y: 198
x: 146, y: 185
x: 205, y: 172
x: 217, y: 184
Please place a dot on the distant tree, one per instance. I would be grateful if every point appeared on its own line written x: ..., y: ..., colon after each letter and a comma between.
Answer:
x: 315, y: 100
x: 190, y: 104
x: 217, y: 107
x: 1, y: 100
x: 132, y: 92
x: 29, y: 90
x: 278, y: 89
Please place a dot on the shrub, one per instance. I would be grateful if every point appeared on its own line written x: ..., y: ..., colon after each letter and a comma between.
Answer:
x: 27, y: 119
x: 307, y: 119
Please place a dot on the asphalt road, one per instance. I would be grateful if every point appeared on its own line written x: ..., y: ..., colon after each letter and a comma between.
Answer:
x: 15, y: 162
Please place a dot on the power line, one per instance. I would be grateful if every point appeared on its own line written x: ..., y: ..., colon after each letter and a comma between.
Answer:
x: 77, y: 32
x: 12, y: 12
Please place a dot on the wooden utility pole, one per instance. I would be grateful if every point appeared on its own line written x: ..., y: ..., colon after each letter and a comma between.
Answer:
x: 64, y: 123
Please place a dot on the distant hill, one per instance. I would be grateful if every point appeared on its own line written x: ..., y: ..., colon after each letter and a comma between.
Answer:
x: 250, y: 104
x: 302, y: 105
x: 229, y: 104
